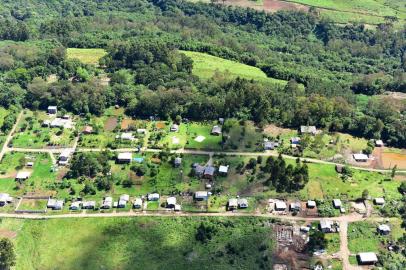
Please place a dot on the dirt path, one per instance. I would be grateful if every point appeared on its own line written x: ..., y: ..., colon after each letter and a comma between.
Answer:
x: 344, y: 251
x: 10, y: 136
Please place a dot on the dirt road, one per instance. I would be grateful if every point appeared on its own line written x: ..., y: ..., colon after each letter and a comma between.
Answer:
x: 5, y: 147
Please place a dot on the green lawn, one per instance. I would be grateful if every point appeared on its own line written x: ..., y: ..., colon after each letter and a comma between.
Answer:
x: 210, y: 142
x: 141, y: 243
x: 86, y: 56
x: 205, y: 66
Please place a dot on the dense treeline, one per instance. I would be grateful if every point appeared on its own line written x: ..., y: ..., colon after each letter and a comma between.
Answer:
x: 150, y: 77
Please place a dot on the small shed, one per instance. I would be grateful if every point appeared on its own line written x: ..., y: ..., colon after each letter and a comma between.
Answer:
x: 383, y: 229
x: 339, y: 168
x: 270, y: 145
x: 379, y: 201
x: 308, y: 130
x: 107, y: 203
x: 178, y: 207
x: 295, y: 206
x: 232, y: 204
x: 74, y: 206
x: 121, y: 203
x: 174, y: 128
x: 177, y: 162
x: 87, y: 130
x: 127, y: 136
x: 295, y: 140
x: 5, y: 199
x: 326, y: 226
x: 216, y: 130
x: 124, y: 157
x: 367, y: 258
x: 223, y: 170
x: 378, y: 143
x: 337, y: 203
x: 88, y: 204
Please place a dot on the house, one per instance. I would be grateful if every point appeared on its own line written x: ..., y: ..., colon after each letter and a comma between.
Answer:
x: 177, y: 162
x: 61, y: 122
x: 360, y: 157
x: 280, y: 206
x: 295, y: 206
x: 337, y: 203
x: 308, y: 130
x: 209, y: 172
x: 232, y: 204
x: 29, y: 164
x: 5, y: 199
x: 305, y: 229
x: 66, y: 117
x: 270, y: 145
x: 141, y: 131
x: 242, y: 203
x: 55, y: 204
x: 89, y: 205
x: 74, y: 206
x: 216, y: 130
x: 178, y: 207
x: 223, y: 170
x: 198, y: 169
x: 153, y: 197
x: 137, y: 204
x: 295, y: 140
x: 383, y: 229
x: 171, y: 202
x: 127, y: 136
x: 23, y: 175
x: 311, y: 204
x: 87, y: 130
x: 339, y: 168
x: 64, y: 157
x: 379, y: 201
x: 121, y: 203
x: 124, y: 157
x: 107, y: 203
x: 378, y: 143
x: 52, y: 109
x: 174, y: 128
x: 367, y: 258
x: 326, y: 226
x: 125, y: 197
x: 46, y: 123
x: 201, y: 195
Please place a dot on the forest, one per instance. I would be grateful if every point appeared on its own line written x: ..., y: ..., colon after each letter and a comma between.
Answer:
x: 149, y: 76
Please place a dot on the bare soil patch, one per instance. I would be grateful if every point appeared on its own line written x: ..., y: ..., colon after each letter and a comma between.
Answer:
x: 275, y: 130
x: 275, y: 5
x: 160, y: 125
x: 391, y: 159
x: 7, y: 234
x: 127, y: 123
x: 110, y: 124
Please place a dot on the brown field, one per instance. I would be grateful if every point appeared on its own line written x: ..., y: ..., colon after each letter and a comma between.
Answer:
x: 160, y: 125
x: 110, y: 124
x: 267, y: 5
x: 126, y: 123
x: 391, y: 159
x: 7, y: 233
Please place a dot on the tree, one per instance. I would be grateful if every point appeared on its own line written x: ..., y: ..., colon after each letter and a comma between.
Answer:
x: 365, y: 194
x: 7, y: 254
x: 394, y: 171
x: 317, y: 240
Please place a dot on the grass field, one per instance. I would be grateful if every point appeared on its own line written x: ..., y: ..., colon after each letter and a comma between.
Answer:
x: 141, y: 243
x: 205, y: 66
x: 86, y: 56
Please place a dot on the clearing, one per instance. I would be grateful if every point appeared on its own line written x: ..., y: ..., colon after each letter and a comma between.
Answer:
x: 86, y: 56
x: 205, y: 66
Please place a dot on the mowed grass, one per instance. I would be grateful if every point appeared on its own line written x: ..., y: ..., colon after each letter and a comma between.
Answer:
x: 141, y: 243
x: 86, y: 56
x: 205, y: 66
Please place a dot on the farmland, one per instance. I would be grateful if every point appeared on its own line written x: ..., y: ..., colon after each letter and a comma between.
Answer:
x: 206, y: 66
x: 149, y: 243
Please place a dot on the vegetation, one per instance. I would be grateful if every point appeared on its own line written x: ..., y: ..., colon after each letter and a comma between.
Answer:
x: 7, y: 254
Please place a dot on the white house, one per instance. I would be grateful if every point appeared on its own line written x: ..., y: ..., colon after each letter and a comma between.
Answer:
x: 201, y: 195
x: 174, y: 128
x: 242, y: 203
x: 107, y: 203
x: 384, y: 229
x: 5, y: 199
x: 360, y: 157
x: 171, y: 202
x: 23, y: 175
x: 337, y: 203
x: 367, y: 258
x: 89, y: 205
x: 379, y: 201
x: 64, y: 157
x: 308, y: 130
x: 153, y: 197
x: 311, y: 204
x: 74, y: 206
x: 232, y: 204
x: 55, y: 204
x: 127, y: 136
x: 326, y: 226
x: 124, y: 157
x: 52, y: 109
x: 223, y: 169
x: 280, y: 206
x: 378, y: 143
x: 216, y: 130
x: 137, y: 204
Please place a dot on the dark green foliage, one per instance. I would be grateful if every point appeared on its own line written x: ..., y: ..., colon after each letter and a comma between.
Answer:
x: 317, y: 241
x: 89, y: 165
x: 7, y: 254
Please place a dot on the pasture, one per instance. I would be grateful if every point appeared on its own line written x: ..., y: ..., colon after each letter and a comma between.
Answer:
x: 205, y: 66
x: 148, y: 243
x: 86, y: 56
